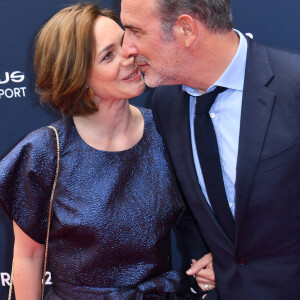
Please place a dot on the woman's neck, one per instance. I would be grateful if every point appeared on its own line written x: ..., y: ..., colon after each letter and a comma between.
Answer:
x: 116, y: 126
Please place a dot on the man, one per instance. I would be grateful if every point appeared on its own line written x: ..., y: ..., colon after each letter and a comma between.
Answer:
x: 256, y: 123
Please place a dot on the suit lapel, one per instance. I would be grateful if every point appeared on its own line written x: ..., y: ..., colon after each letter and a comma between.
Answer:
x: 183, y: 149
x: 257, y: 106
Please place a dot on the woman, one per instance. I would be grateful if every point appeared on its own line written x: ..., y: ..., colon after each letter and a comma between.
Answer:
x: 115, y: 199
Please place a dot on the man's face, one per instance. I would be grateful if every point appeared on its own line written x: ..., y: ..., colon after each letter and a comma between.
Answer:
x: 156, y: 53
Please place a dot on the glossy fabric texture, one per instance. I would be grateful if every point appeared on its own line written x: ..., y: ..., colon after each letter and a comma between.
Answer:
x: 110, y: 234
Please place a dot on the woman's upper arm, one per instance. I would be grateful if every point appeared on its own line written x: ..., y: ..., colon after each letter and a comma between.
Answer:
x: 25, y: 246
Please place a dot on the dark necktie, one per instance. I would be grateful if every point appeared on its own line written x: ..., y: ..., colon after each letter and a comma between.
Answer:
x: 208, y: 153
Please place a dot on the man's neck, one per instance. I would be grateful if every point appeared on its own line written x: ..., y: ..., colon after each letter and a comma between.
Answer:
x: 214, y: 57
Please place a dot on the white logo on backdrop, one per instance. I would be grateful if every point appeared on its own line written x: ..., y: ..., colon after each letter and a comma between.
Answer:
x: 5, y: 278
x: 250, y: 35
x: 12, y: 92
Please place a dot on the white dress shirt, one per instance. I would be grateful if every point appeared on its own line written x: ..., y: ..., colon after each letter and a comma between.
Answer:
x: 226, y: 116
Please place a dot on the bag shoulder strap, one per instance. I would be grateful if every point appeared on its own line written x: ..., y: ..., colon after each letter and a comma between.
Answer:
x: 50, y: 207
x: 49, y: 221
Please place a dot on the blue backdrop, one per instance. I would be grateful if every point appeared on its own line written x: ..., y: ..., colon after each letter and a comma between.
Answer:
x: 274, y: 23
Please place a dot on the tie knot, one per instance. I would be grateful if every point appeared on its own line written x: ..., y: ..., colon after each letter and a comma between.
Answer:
x: 205, y: 101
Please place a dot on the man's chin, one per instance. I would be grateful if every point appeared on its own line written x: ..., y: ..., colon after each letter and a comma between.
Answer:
x: 150, y: 85
x: 153, y: 81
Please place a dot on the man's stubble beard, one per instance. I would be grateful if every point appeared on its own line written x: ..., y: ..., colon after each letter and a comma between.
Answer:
x: 169, y: 72
x: 156, y: 77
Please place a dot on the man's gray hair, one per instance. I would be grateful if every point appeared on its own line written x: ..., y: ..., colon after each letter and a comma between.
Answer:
x: 215, y: 14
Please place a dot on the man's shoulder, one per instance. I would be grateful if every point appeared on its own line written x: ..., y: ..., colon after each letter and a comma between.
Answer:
x: 279, y: 69
x: 285, y: 66
x: 284, y: 58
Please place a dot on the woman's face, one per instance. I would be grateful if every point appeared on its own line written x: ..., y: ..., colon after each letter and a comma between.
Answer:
x: 112, y: 76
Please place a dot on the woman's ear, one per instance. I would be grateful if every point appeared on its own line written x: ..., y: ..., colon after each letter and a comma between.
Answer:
x: 186, y: 29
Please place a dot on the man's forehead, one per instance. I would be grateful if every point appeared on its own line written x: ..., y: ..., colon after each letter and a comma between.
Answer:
x: 134, y: 9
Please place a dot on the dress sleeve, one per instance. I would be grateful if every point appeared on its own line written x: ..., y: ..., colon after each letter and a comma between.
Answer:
x: 26, y: 178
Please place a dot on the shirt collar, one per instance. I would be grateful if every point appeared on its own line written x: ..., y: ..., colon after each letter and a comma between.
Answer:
x: 234, y: 75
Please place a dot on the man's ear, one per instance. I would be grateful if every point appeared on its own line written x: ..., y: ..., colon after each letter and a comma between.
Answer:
x: 186, y: 29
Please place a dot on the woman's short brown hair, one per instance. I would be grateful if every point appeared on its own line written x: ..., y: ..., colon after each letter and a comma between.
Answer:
x: 63, y: 58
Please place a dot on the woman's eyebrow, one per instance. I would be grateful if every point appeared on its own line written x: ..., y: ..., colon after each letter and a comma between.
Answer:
x: 106, y: 49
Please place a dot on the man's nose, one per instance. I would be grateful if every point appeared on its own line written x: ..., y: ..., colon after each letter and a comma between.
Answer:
x: 128, y: 46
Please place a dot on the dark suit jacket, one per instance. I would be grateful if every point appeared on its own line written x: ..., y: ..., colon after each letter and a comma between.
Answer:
x: 264, y: 260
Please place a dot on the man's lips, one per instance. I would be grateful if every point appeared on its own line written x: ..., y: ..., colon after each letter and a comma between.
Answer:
x: 142, y: 66
x: 140, y: 62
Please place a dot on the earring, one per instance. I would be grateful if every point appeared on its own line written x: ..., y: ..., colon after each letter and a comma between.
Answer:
x: 90, y: 94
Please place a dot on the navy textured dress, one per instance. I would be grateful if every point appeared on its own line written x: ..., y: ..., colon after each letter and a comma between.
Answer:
x: 110, y: 232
